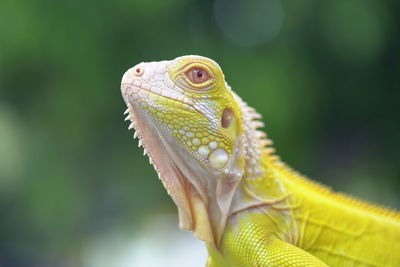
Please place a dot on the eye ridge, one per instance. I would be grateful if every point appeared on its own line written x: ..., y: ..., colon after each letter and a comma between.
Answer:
x: 198, y: 75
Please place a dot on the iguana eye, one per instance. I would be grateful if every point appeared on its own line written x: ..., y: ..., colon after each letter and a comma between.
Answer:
x: 197, y: 75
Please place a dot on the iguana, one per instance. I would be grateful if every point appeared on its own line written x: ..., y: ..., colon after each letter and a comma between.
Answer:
x: 230, y: 187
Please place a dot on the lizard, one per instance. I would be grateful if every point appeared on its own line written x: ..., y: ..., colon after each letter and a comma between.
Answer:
x: 230, y: 187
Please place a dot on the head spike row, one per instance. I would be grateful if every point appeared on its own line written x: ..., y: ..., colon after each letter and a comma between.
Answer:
x: 126, y: 111
x: 265, y: 142
x: 257, y: 124
x: 261, y: 134
x: 135, y: 135
x: 250, y: 109
x: 128, y: 117
x: 140, y: 143
x: 270, y: 150
x: 255, y: 115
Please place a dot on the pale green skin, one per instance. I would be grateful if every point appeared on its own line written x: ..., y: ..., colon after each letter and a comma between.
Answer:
x: 231, y: 191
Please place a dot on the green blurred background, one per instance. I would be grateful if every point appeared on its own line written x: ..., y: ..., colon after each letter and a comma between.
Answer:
x: 73, y: 184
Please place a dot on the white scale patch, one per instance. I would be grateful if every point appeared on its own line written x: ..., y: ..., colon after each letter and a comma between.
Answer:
x: 213, y: 145
x: 218, y: 158
x: 203, y: 151
x: 196, y: 141
x: 189, y: 134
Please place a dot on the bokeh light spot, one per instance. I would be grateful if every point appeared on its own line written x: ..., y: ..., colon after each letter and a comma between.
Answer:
x: 249, y: 23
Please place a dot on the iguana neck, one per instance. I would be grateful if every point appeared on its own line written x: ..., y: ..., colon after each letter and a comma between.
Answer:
x: 261, y: 165
x: 255, y: 141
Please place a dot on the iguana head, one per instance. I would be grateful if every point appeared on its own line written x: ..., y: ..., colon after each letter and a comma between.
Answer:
x: 195, y: 132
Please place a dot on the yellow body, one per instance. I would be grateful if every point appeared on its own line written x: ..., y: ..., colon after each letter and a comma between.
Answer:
x: 229, y: 188
x: 307, y: 224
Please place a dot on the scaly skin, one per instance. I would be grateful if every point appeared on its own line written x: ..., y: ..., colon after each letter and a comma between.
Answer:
x: 230, y: 188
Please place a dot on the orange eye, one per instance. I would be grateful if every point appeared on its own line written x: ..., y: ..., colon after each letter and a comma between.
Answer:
x: 198, y: 75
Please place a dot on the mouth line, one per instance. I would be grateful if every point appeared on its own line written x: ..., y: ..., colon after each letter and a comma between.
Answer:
x: 149, y: 91
x: 130, y: 85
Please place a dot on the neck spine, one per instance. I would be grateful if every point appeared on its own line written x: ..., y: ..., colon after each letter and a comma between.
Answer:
x: 256, y: 143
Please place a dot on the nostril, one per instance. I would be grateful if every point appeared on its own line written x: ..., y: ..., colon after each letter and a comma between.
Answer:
x: 138, y: 71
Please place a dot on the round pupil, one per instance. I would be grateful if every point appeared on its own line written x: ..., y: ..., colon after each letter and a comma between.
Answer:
x: 199, y: 73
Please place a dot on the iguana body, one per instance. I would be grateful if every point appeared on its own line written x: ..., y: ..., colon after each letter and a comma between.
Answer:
x: 230, y: 188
